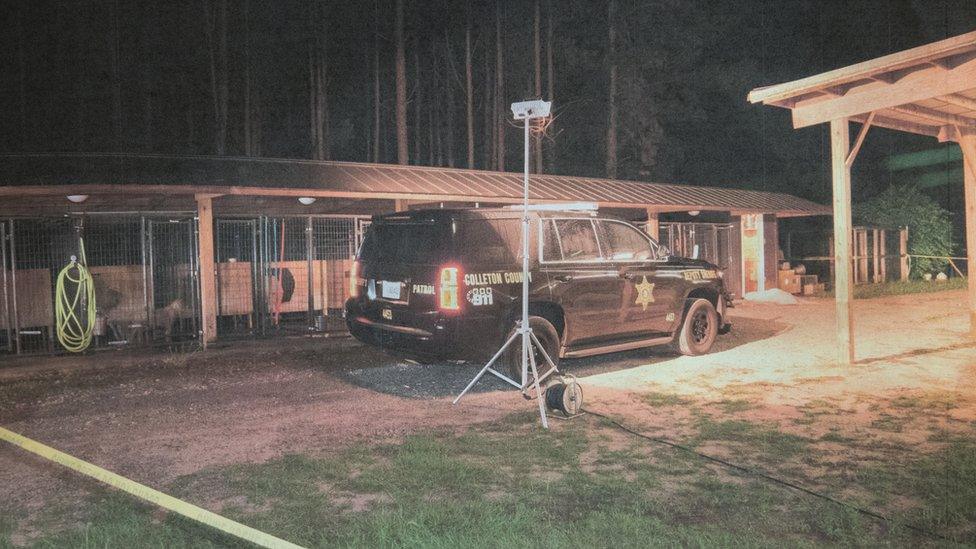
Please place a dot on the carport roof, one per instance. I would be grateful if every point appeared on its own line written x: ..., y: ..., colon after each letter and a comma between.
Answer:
x: 60, y: 174
x: 929, y: 90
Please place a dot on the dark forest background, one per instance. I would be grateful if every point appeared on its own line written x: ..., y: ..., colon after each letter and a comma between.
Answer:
x: 650, y: 90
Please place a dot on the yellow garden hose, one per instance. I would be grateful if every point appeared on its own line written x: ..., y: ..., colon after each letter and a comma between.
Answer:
x: 75, y: 314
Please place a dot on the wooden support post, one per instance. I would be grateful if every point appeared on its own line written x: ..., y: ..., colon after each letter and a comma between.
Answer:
x: 862, y: 261
x: 400, y: 205
x: 876, y: 257
x: 653, y: 225
x: 883, y: 240
x: 968, y: 145
x: 830, y: 252
x: 843, y: 280
x: 789, y: 247
x: 903, y: 253
x: 208, y: 276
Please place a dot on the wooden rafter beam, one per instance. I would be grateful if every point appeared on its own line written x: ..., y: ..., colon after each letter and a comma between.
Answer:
x: 959, y: 101
x: 860, y: 140
x: 918, y: 86
x: 936, y: 116
x: 900, y: 125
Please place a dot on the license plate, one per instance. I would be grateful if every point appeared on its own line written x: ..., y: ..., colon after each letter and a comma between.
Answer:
x: 390, y: 290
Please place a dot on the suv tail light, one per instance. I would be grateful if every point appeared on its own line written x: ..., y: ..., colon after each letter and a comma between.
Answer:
x: 448, y: 289
x: 354, y: 280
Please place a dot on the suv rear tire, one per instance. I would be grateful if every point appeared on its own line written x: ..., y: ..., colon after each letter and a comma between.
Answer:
x: 547, y: 335
x: 698, y: 329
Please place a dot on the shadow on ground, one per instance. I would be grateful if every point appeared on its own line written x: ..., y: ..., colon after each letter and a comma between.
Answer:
x: 400, y: 378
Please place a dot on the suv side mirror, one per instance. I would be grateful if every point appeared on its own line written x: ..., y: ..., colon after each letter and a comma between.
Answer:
x: 663, y: 252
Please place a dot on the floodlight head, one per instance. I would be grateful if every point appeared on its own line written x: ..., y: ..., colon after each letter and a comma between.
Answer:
x: 535, y: 108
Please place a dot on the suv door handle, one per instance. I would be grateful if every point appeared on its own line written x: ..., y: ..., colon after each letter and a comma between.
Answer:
x: 563, y: 278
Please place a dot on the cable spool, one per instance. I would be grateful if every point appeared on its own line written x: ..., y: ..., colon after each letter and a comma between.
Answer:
x: 565, y: 395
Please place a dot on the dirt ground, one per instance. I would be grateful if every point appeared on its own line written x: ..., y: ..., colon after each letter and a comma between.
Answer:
x: 155, y: 418
x: 914, y: 342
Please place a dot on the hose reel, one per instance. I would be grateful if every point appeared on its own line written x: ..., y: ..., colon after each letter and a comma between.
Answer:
x: 74, y: 304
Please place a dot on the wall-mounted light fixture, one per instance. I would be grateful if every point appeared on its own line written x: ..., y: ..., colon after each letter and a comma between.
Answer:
x: 306, y: 200
x: 77, y: 198
x: 694, y: 213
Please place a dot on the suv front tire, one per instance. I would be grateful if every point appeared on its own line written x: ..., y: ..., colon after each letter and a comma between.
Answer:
x: 698, y: 329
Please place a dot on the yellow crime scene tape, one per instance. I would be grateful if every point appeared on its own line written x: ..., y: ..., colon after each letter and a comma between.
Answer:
x: 165, y: 501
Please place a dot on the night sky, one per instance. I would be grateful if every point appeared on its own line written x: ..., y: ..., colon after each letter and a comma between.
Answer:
x: 136, y: 77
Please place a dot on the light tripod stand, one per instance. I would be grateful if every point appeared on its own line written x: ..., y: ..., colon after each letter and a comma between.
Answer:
x: 526, y: 111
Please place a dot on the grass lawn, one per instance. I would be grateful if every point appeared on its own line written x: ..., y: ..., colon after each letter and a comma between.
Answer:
x: 585, y: 483
x: 903, y: 287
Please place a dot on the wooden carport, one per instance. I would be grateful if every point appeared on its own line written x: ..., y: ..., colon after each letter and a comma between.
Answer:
x: 929, y: 90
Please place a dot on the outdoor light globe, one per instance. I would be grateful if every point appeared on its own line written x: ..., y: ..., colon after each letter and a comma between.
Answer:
x: 306, y: 200
x: 77, y: 198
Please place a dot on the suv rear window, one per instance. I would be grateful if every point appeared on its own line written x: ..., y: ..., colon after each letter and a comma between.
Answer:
x: 420, y: 242
x: 578, y: 240
x: 622, y: 242
x: 490, y: 241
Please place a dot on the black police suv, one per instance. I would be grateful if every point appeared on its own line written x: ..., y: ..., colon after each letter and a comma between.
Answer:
x: 448, y: 284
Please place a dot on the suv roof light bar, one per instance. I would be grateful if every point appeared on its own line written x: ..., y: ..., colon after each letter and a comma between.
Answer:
x: 566, y: 207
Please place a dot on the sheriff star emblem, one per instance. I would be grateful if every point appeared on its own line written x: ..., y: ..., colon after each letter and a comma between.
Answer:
x: 645, y: 293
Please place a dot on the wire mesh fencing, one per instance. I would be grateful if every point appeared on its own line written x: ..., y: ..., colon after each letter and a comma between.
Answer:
x: 284, y: 275
x: 275, y: 276
x: 712, y: 239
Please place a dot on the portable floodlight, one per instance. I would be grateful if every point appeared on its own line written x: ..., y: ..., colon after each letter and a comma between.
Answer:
x: 527, y: 111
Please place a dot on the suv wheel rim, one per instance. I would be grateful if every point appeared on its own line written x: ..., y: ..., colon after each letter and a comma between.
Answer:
x: 699, y: 327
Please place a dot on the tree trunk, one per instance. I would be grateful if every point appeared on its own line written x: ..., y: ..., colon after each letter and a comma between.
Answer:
x: 248, y: 117
x: 313, y: 126
x: 116, y: 76
x: 148, y: 19
x: 22, y: 63
x: 218, y: 70
x: 403, y: 153
x: 538, y: 80
x: 550, y: 82
x: 489, y: 114
x: 500, y: 118
x: 612, y: 95
x: 449, y: 115
x: 318, y: 85
x: 418, y: 99
x: 224, y: 88
x: 80, y: 76
x: 469, y: 89
x: 376, y: 84
x: 432, y: 78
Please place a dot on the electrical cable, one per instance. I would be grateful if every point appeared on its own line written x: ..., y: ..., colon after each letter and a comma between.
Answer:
x: 860, y: 510
x: 75, y: 328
